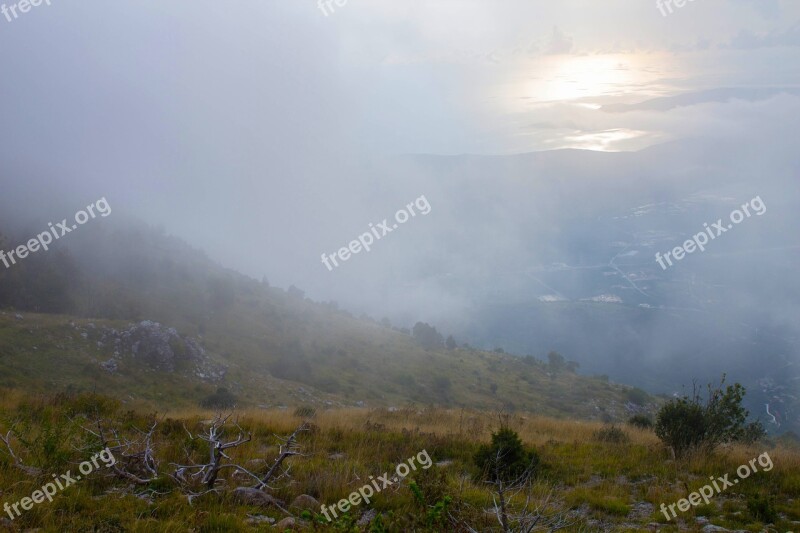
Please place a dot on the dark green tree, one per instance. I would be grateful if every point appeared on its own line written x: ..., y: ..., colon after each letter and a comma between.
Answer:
x: 427, y: 336
x: 556, y: 361
x: 692, y: 422
x: 450, y: 343
x: 506, y: 459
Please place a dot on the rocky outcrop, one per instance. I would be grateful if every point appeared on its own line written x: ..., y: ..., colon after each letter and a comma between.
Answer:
x: 159, y: 347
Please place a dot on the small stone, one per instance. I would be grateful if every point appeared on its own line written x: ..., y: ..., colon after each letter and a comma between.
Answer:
x: 255, y: 520
x: 286, y: 523
x: 367, y: 518
x: 305, y: 502
x: 251, y: 496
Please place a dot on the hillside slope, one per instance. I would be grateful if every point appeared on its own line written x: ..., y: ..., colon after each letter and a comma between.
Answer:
x: 144, y: 317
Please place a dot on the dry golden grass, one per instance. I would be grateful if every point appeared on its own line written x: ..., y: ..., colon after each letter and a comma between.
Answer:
x: 345, y: 446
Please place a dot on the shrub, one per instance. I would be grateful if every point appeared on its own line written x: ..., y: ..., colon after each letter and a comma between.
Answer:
x: 641, y: 421
x: 611, y: 434
x: 222, y: 399
x: 637, y: 396
x: 762, y: 508
x: 427, y: 336
x: 680, y: 424
x: 687, y: 423
x: 506, y: 459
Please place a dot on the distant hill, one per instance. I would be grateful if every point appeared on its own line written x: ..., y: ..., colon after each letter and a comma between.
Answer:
x: 125, y: 310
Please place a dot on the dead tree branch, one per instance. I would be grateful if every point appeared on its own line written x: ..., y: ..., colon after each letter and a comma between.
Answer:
x: 208, y: 473
x: 30, y: 470
x: 289, y: 448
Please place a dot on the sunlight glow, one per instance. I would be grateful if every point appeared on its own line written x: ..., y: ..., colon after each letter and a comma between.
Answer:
x: 578, y: 77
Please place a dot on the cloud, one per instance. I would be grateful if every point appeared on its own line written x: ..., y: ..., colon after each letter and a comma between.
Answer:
x: 748, y: 40
x: 559, y: 43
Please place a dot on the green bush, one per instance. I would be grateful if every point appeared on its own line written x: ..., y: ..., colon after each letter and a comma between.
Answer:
x: 506, y: 459
x: 762, y: 508
x: 611, y: 434
x: 690, y: 423
x: 641, y: 421
x: 222, y: 399
x: 637, y: 396
x: 680, y: 424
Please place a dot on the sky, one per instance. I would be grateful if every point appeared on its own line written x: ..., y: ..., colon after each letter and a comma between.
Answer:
x: 264, y: 131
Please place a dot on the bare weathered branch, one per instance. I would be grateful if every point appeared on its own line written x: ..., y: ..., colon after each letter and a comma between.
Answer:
x: 286, y: 450
x: 30, y: 470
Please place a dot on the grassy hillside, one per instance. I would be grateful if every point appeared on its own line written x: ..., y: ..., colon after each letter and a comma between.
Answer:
x: 327, y: 360
x: 593, y: 482
x: 278, y: 347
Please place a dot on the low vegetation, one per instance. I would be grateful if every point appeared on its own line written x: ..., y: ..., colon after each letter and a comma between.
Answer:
x: 561, y: 475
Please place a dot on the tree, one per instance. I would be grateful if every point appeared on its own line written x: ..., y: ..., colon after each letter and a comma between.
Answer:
x: 508, y: 467
x: 690, y: 423
x: 556, y: 361
x: 641, y: 421
x: 637, y: 396
x: 222, y: 399
x: 506, y: 459
x: 294, y: 292
x: 427, y: 336
x: 450, y: 343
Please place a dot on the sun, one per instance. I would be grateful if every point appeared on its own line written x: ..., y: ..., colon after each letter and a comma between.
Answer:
x: 564, y: 78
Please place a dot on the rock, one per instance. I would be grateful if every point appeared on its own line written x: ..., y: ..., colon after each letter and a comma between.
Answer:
x: 286, y: 523
x: 710, y: 528
x: 251, y: 496
x: 110, y: 366
x: 367, y: 518
x: 255, y: 520
x: 163, y: 349
x: 641, y: 510
x: 336, y: 456
x: 18, y: 316
x: 305, y: 502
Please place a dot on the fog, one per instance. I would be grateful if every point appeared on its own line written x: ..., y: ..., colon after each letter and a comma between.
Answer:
x: 269, y: 133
